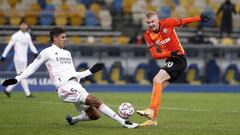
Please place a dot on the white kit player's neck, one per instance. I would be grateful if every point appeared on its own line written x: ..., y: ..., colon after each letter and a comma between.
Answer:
x: 55, y: 46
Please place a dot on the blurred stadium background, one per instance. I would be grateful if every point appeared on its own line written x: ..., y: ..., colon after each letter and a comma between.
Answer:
x: 111, y: 31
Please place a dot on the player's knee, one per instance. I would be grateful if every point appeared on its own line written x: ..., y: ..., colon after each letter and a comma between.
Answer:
x: 161, y: 77
x: 157, y: 79
x: 93, y: 101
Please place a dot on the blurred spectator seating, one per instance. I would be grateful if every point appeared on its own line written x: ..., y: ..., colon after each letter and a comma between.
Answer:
x: 14, y: 17
x: 46, y: 16
x: 227, y: 41
x: 32, y: 13
x: 122, y: 40
x: 116, y: 73
x: 106, y: 40
x: 95, y: 8
x: 193, y: 75
x: 231, y: 75
x: 212, y: 72
x: 105, y: 19
x: 75, y: 40
x: 42, y: 39
x: 117, y: 5
x: 90, y: 19
x: 101, y: 77
x: 77, y: 15
x: 141, y: 74
x: 2, y: 18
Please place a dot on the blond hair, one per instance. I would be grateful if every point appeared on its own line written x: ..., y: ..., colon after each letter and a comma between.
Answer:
x: 149, y: 14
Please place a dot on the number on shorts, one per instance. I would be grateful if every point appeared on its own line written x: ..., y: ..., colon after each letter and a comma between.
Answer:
x: 169, y: 64
x: 73, y: 91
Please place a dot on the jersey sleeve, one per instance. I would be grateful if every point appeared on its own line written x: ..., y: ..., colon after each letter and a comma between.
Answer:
x: 42, y: 58
x: 157, y: 55
x: 148, y: 40
x: 179, y: 22
x: 84, y: 74
x: 9, y: 46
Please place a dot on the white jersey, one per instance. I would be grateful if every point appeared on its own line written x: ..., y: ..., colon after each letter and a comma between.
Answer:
x: 59, y: 64
x: 21, y: 41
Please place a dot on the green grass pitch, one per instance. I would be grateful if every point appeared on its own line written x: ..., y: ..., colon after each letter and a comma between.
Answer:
x: 180, y: 114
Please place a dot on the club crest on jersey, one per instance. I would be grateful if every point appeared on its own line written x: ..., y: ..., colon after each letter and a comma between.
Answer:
x: 165, y: 30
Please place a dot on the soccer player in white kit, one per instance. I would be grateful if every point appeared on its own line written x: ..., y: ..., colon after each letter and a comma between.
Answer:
x: 65, y: 78
x: 20, y: 40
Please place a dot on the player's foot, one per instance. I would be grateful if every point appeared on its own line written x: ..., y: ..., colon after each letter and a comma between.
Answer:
x: 149, y: 113
x: 129, y: 124
x: 8, y: 94
x: 30, y: 96
x: 69, y: 120
x: 149, y: 123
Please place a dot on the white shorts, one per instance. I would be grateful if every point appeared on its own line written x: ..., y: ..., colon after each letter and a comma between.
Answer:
x: 20, y: 66
x: 72, y: 92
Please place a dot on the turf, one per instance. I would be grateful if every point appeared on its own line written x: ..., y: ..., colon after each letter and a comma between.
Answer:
x: 180, y: 114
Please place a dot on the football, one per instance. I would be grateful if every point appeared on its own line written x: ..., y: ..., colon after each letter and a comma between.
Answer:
x: 125, y: 110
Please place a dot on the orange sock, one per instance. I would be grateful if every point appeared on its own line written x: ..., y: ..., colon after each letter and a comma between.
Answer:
x: 156, y: 98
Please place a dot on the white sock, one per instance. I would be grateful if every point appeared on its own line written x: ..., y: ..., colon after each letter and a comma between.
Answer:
x: 9, y: 88
x: 24, y: 84
x: 82, y: 117
x: 111, y: 114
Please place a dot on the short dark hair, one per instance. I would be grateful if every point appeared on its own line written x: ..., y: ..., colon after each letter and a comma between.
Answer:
x: 56, y: 32
x: 22, y: 21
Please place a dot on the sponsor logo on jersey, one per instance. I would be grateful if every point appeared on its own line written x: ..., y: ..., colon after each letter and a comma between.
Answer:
x: 64, y: 60
x: 164, y: 41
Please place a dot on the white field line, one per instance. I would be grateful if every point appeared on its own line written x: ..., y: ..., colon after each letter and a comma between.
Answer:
x: 138, y: 107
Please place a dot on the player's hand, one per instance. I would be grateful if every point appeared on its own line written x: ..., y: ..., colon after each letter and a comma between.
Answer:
x: 2, y: 59
x: 35, y: 55
x: 204, y: 17
x: 97, y: 67
x: 9, y: 82
x: 174, y: 53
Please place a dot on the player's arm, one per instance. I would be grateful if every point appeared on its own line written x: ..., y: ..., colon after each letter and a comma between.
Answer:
x: 32, y: 47
x: 153, y: 51
x: 42, y: 58
x: 95, y: 68
x: 8, y: 48
x: 178, y: 22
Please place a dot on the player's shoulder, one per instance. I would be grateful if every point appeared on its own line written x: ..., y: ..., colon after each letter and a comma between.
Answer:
x: 147, y: 32
x: 15, y: 34
x: 47, y: 50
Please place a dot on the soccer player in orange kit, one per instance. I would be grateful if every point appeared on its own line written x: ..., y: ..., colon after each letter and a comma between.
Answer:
x: 161, y: 36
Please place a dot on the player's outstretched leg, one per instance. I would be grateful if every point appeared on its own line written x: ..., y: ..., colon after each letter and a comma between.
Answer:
x: 91, y: 113
x: 93, y: 101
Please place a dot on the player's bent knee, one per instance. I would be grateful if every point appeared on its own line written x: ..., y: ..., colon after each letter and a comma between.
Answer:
x: 161, y: 77
x: 93, y: 101
x: 93, y: 113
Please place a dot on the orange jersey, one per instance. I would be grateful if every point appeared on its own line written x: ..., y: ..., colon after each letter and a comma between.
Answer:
x: 166, y: 38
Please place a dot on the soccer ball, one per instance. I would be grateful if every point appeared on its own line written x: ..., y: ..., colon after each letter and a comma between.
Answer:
x: 125, y: 110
